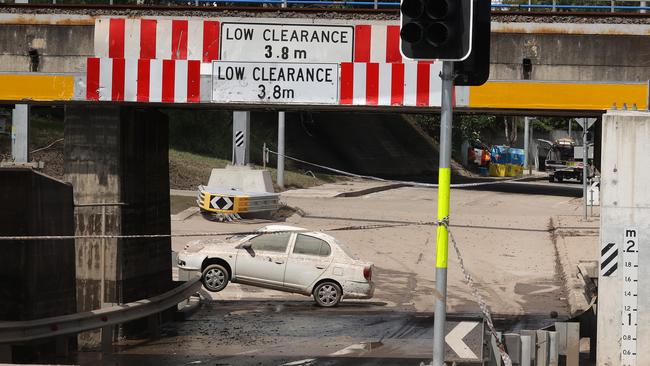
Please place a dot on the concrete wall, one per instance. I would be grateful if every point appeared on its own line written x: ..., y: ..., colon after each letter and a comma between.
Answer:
x: 37, y: 278
x: 119, y: 155
x: 53, y: 48
x: 625, y: 204
x: 570, y: 57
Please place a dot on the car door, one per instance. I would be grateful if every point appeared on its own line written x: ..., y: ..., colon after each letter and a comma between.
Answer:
x: 265, y: 260
x: 307, y: 261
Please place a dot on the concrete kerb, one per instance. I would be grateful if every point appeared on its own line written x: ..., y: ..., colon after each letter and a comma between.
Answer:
x: 185, y: 214
x: 574, y: 284
x: 363, y: 192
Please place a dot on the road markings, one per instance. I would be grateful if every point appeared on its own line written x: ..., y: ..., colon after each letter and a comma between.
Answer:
x: 306, y: 361
x: 353, y: 349
x: 455, y: 341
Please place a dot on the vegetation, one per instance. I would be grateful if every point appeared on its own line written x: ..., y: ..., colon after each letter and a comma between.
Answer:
x: 188, y: 170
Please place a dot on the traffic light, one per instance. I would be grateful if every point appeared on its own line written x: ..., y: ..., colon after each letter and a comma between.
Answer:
x: 436, y: 29
x: 475, y: 70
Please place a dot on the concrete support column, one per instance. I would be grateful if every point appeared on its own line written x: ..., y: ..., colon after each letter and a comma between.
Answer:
x: 241, y: 125
x: 526, y: 142
x: 117, y: 161
x: 624, y: 266
x: 20, y: 133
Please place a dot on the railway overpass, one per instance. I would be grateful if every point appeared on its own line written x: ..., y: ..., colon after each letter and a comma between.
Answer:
x: 112, y: 68
x: 539, y: 64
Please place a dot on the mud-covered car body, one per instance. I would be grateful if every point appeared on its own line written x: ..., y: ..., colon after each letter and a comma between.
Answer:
x: 283, y: 258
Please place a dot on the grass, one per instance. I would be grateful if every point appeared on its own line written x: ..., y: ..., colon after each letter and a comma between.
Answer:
x: 188, y: 170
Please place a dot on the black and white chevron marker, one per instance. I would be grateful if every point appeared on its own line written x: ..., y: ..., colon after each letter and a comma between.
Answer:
x: 222, y: 203
x: 239, y: 138
x: 609, y: 260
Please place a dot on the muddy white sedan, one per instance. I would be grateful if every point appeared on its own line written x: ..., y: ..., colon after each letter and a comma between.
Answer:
x: 283, y: 258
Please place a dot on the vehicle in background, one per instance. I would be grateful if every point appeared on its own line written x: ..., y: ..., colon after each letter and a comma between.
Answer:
x: 564, y: 160
x: 283, y: 258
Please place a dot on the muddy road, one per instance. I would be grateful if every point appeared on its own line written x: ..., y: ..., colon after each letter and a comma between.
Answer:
x: 295, y: 333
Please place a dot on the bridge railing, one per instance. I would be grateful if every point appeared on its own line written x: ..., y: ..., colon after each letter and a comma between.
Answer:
x: 504, y: 5
x: 613, y: 6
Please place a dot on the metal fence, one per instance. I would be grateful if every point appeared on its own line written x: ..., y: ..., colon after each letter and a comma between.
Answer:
x: 540, y: 347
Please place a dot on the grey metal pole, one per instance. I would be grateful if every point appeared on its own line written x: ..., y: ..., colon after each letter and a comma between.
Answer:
x: 444, y: 175
x: 643, y: 3
x: 570, y: 125
x: 526, y: 141
x: 584, y: 162
x: 20, y: 133
x: 280, y: 178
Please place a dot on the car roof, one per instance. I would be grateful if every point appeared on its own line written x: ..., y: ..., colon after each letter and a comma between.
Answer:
x: 285, y: 228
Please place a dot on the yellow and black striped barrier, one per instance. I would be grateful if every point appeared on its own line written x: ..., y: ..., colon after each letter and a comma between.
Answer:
x: 231, y: 201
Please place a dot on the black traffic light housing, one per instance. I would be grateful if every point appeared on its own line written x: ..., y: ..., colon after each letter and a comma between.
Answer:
x: 436, y: 29
x: 475, y: 70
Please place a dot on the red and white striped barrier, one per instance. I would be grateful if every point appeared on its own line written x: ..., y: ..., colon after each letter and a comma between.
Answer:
x: 376, y: 43
x: 157, y: 38
x: 198, y: 39
x: 133, y: 80
x: 396, y: 84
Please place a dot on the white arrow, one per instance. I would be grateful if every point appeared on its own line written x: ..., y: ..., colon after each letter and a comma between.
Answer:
x: 455, y: 341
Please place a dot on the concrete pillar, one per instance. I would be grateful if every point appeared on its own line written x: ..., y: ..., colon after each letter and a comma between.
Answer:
x: 117, y: 161
x: 241, y: 125
x: 624, y: 332
x: 20, y: 133
x: 37, y: 277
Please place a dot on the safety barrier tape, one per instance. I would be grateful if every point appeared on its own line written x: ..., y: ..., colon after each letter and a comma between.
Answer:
x: 407, y: 183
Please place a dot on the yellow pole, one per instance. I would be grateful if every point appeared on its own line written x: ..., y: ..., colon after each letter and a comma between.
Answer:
x: 444, y: 181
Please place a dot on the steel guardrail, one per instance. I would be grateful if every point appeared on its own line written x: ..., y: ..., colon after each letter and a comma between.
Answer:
x: 22, y: 331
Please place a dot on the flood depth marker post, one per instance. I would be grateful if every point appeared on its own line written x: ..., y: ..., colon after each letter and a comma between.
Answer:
x: 442, y: 235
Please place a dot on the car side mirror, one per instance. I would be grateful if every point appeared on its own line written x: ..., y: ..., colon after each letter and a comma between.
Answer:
x: 246, y: 246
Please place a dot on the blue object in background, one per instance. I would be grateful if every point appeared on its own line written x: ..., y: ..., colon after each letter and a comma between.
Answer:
x: 501, y: 154
x: 517, y: 156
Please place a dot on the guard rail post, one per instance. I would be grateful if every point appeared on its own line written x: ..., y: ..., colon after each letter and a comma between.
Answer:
x: 107, y: 339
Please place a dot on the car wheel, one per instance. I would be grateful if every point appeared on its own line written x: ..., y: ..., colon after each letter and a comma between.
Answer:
x: 215, y: 277
x: 327, y: 294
